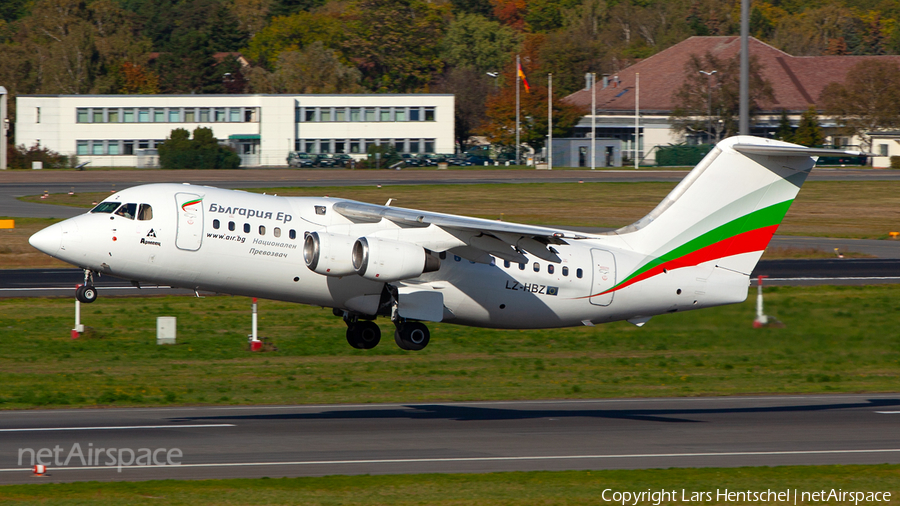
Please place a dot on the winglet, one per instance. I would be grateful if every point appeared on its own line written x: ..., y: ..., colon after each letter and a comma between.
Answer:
x: 770, y: 150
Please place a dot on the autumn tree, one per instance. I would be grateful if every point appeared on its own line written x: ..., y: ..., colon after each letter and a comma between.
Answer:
x: 471, y: 89
x: 703, y: 99
x: 394, y: 43
x: 292, y: 33
x: 868, y: 101
x: 137, y: 80
x: 314, y: 69
x: 474, y: 42
x: 572, y: 52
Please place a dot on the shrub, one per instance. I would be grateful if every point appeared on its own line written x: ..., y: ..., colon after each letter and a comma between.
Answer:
x: 895, y: 162
x: 21, y: 158
x: 179, y: 151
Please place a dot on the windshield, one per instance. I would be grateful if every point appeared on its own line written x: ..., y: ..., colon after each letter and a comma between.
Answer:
x: 105, y: 207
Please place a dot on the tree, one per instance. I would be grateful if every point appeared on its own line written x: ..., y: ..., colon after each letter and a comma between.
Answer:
x: 292, y: 33
x: 179, y: 151
x: 191, y: 67
x: 394, y: 43
x: 138, y: 80
x: 808, y: 131
x: 471, y: 89
x: 547, y: 15
x: 868, y: 101
x: 474, y: 42
x: 576, y: 50
x: 315, y: 69
x: 715, y: 99
x: 785, y: 131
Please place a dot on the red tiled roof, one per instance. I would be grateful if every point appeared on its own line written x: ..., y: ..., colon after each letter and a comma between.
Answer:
x: 797, y: 81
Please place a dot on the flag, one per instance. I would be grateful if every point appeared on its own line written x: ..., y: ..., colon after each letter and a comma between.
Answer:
x: 522, y: 77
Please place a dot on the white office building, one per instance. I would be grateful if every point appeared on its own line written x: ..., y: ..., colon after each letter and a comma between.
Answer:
x: 124, y: 130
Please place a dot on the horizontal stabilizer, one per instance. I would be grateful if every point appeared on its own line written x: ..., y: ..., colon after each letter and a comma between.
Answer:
x: 769, y: 150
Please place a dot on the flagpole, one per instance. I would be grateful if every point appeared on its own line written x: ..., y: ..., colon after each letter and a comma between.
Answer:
x: 593, y: 117
x: 518, y: 69
x: 637, y: 116
x: 550, y: 120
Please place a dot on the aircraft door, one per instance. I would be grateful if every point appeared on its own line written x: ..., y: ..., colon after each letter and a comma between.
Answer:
x: 189, y: 233
x: 603, y: 271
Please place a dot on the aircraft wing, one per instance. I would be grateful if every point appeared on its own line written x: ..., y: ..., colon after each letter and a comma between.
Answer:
x: 761, y: 149
x: 483, y: 237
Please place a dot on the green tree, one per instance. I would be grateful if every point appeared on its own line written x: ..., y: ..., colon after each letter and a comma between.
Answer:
x: 809, y: 133
x: 474, y: 42
x: 179, y: 151
x: 394, y: 43
x: 576, y: 50
x: 868, y: 101
x: 547, y: 15
x: 785, y: 131
x: 315, y: 69
x: 292, y: 33
x: 471, y: 89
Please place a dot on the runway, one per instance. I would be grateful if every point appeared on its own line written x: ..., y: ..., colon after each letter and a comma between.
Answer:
x: 62, y: 282
x: 275, y: 441
x: 20, y: 183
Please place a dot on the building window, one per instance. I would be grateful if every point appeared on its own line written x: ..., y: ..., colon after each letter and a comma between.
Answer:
x: 369, y: 144
x: 174, y: 116
x: 98, y: 116
x: 310, y: 146
x: 128, y: 115
x: 220, y: 115
x: 82, y: 115
x: 82, y: 147
x: 310, y: 114
x: 429, y: 145
x: 113, y: 148
x: 385, y: 114
x: 250, y: 115
x: 189, y: 115
x: 97, y: 148
x: 159, y: 116
x: 128, y: 148
x: 234, y: 115
x: 144, y: 116
x: 340, y: 147
x: 399, y: 114
x: 370, y: 114
x: 113, y: 115
x: 325, y: 114
x: 414, y: 114
x: 340, y: 114
x: 204, y: 115
x: 400, y: 146
x: 37, y: 111
x: 354, y: 146
x: 429, y: 114
x: 882, y: 149
x: 414, y: 145
x: 355, y: 114
x: 143, y: 144
x: 325, y: 146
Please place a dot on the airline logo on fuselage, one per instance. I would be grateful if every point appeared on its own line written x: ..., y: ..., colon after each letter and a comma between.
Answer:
x: 190, y: 203
x: 251, y: 213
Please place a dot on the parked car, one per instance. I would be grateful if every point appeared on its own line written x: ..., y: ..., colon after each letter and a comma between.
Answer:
x: 300, y: 160
x: 343, y: 160
x: 479, y: 160
x: 458, y: 161
x: 324, y: 160
x: 409, y: 160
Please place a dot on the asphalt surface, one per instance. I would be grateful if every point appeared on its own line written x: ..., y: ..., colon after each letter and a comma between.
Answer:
x: 14, y: 184
x: 275, y: 441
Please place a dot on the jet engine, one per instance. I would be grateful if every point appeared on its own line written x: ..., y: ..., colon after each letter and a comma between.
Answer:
x: 328, y: 254
x: 386, y: 260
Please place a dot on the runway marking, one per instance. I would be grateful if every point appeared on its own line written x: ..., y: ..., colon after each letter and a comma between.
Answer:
x: 888, y: 412
x: 848, y: 278
x: 478, y: 459
x: 154, y: 287
x: 122, y: 427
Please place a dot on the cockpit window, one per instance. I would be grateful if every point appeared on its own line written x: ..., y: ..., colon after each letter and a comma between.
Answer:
x: 127, y: 211
x: 146, y: 212
x: 105, y: 207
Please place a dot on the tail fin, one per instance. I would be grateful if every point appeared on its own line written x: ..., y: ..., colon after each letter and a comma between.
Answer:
x: 727, y: 209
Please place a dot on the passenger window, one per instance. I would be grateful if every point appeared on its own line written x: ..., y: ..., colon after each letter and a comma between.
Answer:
x: 521, y: 267
x: 231, y: 226
x: 506, y: 264
x: 127, y: 211
x: 246, y: 228
x: 292, y: 234
x: 565, y: 271
x: 146, y: 212
x: 216, y: 224
x: 579, y: 273
x: 262, y: 230
x: 550, y: 269
x: 457, y: 258
x: 537, y: 267
x: 105, y: 207
x: 276, y: 232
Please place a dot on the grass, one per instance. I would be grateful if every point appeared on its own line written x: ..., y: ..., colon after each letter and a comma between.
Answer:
x: 521, y: 488
x: 16, y: 253
x: 837, y: 339
x: 777, y: 253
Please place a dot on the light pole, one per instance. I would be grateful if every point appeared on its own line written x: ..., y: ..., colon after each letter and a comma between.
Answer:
x: 708, y: 102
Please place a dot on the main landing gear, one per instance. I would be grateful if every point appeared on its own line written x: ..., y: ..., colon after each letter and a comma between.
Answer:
x: 365, y: 334
x: 86, y: 293
x: 411, y: 335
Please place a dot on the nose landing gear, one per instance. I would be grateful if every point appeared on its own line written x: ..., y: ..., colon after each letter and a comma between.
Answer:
x: 86, y: 293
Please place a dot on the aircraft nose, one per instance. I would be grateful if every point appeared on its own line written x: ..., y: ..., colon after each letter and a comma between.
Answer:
x: 48, y: 239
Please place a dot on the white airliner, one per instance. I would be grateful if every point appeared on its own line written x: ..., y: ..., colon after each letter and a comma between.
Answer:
x: 696, y: 249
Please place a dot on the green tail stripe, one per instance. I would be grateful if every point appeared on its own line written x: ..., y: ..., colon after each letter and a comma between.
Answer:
x: 764, y: 217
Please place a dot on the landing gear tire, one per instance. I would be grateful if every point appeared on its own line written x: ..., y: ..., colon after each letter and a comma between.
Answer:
x: 86, y: 294
x: 412, y: 336
x: 363, y: 335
